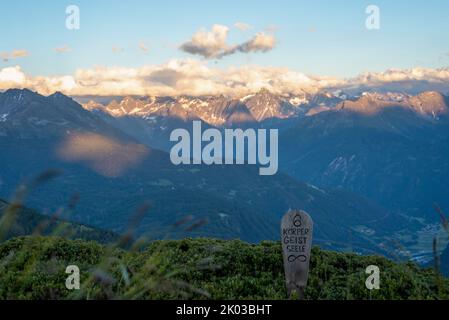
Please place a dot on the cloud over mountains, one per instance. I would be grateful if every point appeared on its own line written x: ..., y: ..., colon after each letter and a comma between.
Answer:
x: 213, y: 44
x: 194, y: 77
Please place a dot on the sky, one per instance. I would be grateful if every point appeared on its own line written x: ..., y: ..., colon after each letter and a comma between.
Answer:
x: 326, y: 39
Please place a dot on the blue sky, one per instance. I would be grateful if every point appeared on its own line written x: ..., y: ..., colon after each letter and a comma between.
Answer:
x: 291, y: 47
x: 314, y: 37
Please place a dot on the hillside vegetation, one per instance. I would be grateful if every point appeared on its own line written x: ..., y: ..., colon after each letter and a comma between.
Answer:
x: 17, y: 220
x: 34, y: 268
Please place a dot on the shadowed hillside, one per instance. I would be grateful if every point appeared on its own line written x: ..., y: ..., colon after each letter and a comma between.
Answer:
x: 27, y: 222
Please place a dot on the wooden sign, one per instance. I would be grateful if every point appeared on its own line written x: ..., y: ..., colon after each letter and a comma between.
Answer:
x: 296, y: 233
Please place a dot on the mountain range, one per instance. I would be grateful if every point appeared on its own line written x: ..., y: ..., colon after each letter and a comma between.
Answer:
x: 223, y: 111
x: 367, y: 167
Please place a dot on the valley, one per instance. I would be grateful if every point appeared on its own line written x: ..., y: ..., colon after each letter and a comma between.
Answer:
x: 360, y: 174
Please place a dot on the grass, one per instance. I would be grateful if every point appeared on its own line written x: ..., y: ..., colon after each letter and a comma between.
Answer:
x: 34, y: 267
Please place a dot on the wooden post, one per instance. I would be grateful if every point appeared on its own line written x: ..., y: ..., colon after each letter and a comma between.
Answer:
x: 296, y: 235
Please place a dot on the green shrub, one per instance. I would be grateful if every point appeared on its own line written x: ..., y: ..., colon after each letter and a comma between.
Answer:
x: 34, y: 268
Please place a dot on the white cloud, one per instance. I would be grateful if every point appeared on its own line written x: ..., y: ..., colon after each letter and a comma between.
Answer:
x: 393, y: 75
x: 409, y: 80
x: 64, y: 49
x: 6, y: 56
x: 176, y: 77
x: 213, y: 44
x: 116, y: 49
x: 243, y: 26
x: 19, y: 54
x: 208, y: 44
x: 12, y: 77
x: 194, y: 77
x: 143, y: 46
x: 261, y: 42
